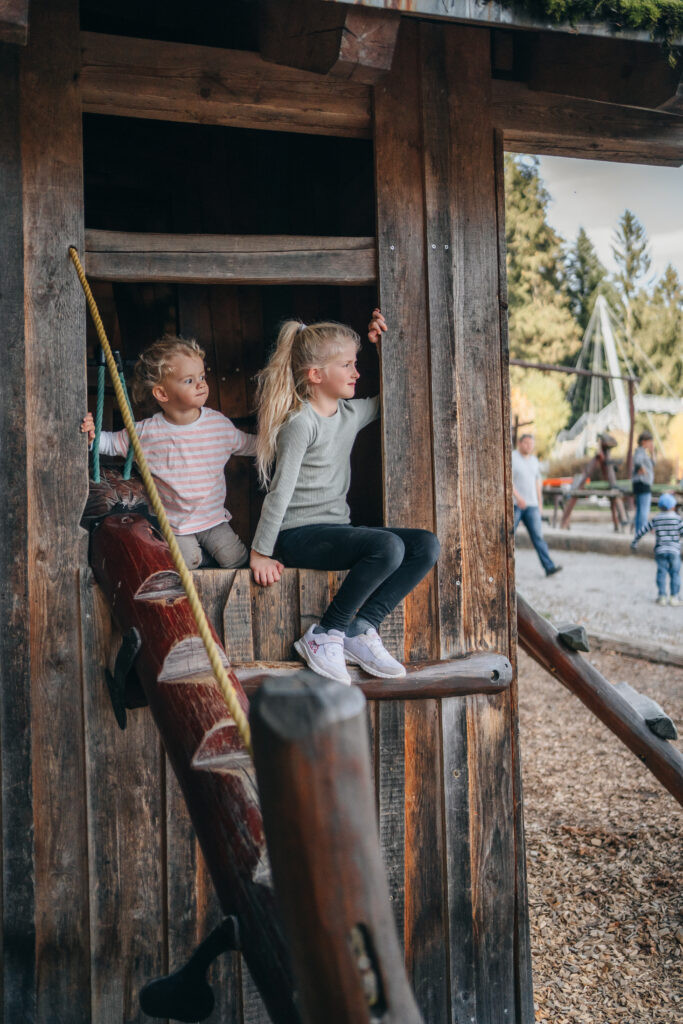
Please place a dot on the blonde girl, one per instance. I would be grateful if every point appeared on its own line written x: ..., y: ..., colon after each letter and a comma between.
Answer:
x: 308, y: 420
x: 187, y: 447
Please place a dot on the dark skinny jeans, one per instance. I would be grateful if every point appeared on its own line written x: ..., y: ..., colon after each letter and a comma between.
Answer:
x: 384, y: 563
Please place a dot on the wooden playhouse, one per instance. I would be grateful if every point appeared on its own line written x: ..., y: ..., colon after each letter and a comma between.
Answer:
x: 220, y: 167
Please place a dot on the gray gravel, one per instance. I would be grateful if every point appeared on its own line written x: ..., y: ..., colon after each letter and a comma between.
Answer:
x: 612, y: 594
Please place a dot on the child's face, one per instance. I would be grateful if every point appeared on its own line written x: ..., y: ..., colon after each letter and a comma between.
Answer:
x: 184, y: 388
x: 337, y: 379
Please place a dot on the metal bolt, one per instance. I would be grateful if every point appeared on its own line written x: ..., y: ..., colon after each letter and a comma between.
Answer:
x: 433, y: 246
x: 490, y: 579
x: 224, y: 378
x: 457, y: 583
x: 446, y: 247
x: 392, y: 247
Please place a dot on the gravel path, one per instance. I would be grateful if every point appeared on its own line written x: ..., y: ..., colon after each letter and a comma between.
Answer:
x: 604, y: 839
x: 606, y: 593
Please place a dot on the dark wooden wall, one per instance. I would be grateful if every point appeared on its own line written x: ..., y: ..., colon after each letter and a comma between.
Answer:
x: 119, y: 891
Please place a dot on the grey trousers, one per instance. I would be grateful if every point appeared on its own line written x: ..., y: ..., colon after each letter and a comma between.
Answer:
x: 221, y: 542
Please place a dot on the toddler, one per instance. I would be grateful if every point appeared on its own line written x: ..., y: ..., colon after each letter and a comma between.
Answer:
x: 668, y: 527
x: 187, y: 447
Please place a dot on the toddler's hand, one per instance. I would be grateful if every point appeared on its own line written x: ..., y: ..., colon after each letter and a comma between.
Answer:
x: 376, y: 327
x: 88, y: 426
x: 266, y: 570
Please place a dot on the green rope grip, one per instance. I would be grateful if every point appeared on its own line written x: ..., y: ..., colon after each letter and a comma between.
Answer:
x: 128, y: 464
x: 101, y: 369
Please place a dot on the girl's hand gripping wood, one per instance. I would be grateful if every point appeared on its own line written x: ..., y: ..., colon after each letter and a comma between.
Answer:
x: 376, y: 327
x: 266, y: 570
x: 88, y: 426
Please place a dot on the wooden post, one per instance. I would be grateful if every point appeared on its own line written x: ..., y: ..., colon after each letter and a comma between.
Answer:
x: 313, y: 768
x: 18, y: 897
x: 57, y: 487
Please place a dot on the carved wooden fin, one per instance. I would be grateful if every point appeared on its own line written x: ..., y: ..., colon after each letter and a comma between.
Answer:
x: 161, y: 586
x: 344, y: 42
x: 188, y: 658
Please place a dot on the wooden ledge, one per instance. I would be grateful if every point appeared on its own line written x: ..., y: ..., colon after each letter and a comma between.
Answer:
x: 472, y: 674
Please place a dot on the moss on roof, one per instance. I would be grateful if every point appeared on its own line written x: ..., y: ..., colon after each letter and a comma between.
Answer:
x: 663, y: 19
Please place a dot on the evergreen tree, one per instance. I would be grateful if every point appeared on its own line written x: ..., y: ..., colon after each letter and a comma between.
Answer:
x: 659, y: 335
x: 585, y: 275
x: 630, y: 251
x: 541, y: 325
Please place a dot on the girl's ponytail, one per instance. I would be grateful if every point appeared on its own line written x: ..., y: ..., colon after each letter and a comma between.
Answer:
x: 283, y: 383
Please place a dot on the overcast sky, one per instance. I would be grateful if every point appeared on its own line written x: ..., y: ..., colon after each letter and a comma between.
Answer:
x: 593, y: 194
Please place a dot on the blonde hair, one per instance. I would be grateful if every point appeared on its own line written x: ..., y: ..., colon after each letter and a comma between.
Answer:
x: 283, y: 384
x: 155, y: 363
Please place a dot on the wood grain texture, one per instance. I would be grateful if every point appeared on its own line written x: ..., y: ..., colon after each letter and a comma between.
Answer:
x: 14, y: 21
x: 126, y: 833
x: 547, y: 123
x: 492, y: 852
x: 237, y: 622
x: 17, y: 898
x: 229, y: 259
x: 426, y: 909
x: 192, y: 907
x: 275, y: 618
x: 406, y: 431
x: 389, y: 735
x: 467, y: 383
x: 177, y: 82
x: 57, y: 488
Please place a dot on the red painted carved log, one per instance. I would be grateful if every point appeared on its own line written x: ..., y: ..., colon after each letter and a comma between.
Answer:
x: 133, y: 566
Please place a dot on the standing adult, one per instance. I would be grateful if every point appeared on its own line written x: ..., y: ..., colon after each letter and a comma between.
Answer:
x: 643, y: 477
x: 528, y: 496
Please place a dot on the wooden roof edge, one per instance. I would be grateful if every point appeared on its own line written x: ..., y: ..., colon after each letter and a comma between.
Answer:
x: 14, y: 22
x: 493, y: 15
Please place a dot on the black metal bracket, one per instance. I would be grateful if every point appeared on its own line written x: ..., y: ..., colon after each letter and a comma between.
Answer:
x: 121, y: 683
x: 186, y: 995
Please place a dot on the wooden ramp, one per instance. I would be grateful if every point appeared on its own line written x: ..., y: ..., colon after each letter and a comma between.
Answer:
x: 540, y: 639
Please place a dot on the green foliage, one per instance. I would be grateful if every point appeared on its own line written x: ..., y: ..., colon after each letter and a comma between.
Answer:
x: 542, y: 401
x: 585, y: 276
x: 659, y: 335
x: 541, y: 325
x: 663, y: 19
x: 631, y: 254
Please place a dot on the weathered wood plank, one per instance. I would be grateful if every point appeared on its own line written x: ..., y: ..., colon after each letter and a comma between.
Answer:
x: 14, y: 21
x: 275, y: 618
x: 524, y: 979
x: 345, y: 43
x: 426, y: 911
x: 314, y: 597
x: 237, y: 619
x: 547, y: 123
x: 227, y: 259
x: 467, y: 423
x: 204, y: 84
x: 214, y: 587
x: 192, y: 905
x: 492, y: 848
x: 17, y: 897
x: 456, y: 789
x: 55, y: 369
x: 126, y: 839
x: 389, y: 736
x: 406, y: 441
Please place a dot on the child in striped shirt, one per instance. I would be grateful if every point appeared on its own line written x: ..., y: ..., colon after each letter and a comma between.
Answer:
x: 668, y: 527
x: 187, y: 447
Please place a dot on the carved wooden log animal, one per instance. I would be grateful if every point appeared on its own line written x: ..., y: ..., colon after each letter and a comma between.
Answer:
x: 313, y: 763
x: 133, y: 566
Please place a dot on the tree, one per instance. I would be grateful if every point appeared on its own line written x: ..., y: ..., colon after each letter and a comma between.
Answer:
x: 659, y: 335
x: 630, y: 251
x: 541, y: 325
x: 585, y: 276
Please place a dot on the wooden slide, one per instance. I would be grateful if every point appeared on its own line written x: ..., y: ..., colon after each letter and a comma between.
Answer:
x: 540, y: 639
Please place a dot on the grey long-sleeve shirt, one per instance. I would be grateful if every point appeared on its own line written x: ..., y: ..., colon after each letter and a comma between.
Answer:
x: 312, y: 469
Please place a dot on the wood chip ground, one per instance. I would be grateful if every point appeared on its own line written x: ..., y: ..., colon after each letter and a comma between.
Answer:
x: 604, y: 854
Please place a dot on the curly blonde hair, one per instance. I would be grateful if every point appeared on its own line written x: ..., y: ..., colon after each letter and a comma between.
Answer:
x: 155, y: 363
x: 283, y: 383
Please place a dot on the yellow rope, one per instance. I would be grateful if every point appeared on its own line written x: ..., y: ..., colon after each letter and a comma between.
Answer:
x: 219, y: 672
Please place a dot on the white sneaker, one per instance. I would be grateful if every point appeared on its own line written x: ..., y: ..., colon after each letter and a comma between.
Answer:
x: 324, y: 653
x: 675, y: 601
x: 368, y: 651
x: 662, y: 599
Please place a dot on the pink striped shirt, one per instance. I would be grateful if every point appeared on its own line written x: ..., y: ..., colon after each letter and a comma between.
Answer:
x: 187, y: 463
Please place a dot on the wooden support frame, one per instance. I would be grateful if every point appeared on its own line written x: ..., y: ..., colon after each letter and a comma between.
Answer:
x: 14, y: 21
x: 229, y: 259
x: 344, y: 42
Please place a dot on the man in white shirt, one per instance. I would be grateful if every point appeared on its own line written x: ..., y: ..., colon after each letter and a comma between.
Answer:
x: 528, y: 497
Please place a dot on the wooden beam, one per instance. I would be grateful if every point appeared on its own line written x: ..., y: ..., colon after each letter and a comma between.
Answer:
x: 344, y: 42
x: 14, y: 21
x: 206, y: 85
x: 621, y: 71
x: 16, y: 801
x: 545, y: 123
x: 229, y: 259
x: 57, y: 474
